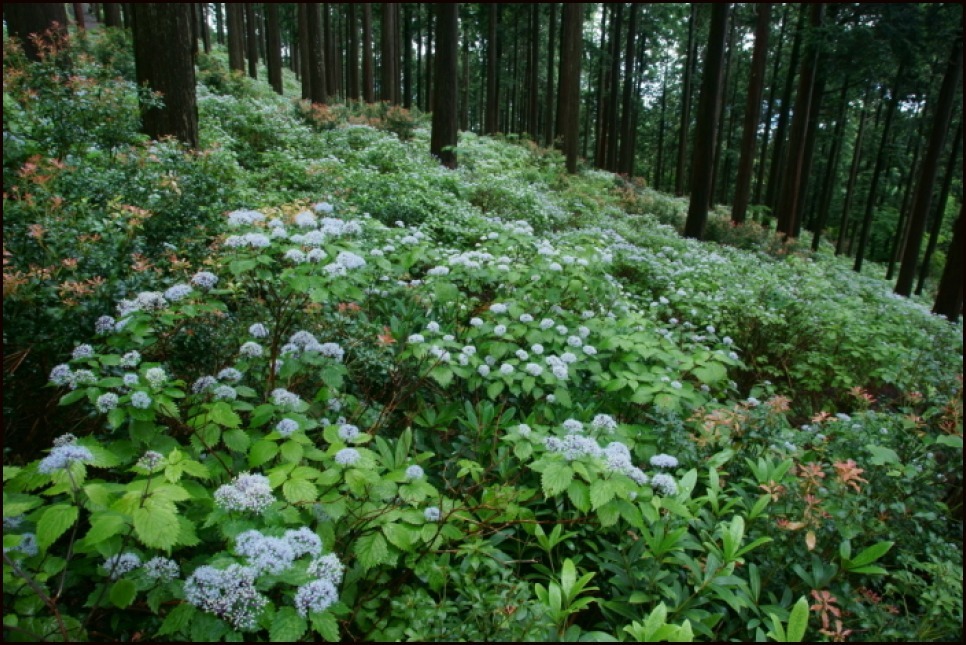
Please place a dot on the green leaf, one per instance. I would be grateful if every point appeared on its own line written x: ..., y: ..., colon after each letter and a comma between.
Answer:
x: 123, y: 592
x: 371, y: 549
x: 601, y: 492
x: 579, y: 495
x: 299, y: 490
x: 292, y: 452
x: 952, y: 441
x: 882, y: 455
x: 869, y: 555
x: 556, y: 478
x: 711, y: 373
x: 326, y: 626
x: 222, y: 414
x: 104, y: 526
x: 53, y: 523
x: 237, y: 439
x: 442, y: 375
x: 156, y: 527
x: 262, y: 452
x: 399, y: 536
x: 287, y: 626
x: 177, y: 620
x: 798, y: 621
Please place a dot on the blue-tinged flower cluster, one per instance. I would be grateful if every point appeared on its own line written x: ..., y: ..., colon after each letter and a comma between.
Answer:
x: 63, y: 455
x: 229, y: 594
x: 161, y: 569
x: 664, y: 461
x: 205, y: 280
x: 432, y: 513
x: 315, y: 596
x: 347, y: 457
x: 415, y: 472
x: 120, y: 564
x: 265, y: 554
x: 286, y: 427
x: 247, y: 492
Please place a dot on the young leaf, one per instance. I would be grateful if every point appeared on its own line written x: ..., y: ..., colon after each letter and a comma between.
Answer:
x: 53, y: 523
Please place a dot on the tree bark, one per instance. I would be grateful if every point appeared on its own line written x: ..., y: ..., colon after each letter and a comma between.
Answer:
x: 445, y: 110
x: 930, y: 163
x: 389, y: 64
x: 79, y: 15
x: 316, y: 53
x: 626, y: 155
x: 492, y: 118
x: 772, y: 92
x: 533, y: 80
x: 273, y: 47
x: 708, y: 112
x: 549, y: 120
x: 407, y: 62
x: 112, y: 15
x: 831, y: 169
x: 251, y: 40
x: 163, y: 62
x: 680, y: 177
x: 368, y: 73
x: 305, y: 56
x: 352, y: 65
x: 937, y: 221
x: 236, y: 36
x: 571, y: 48
x: 850, y: 185
x: 749, y: 133
x: 613, y: 136
x: 29, y: 19
x: 949, y: 297
x: 805, y: 100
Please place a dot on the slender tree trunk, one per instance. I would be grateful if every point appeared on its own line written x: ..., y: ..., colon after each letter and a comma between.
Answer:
x: 407, y: 63
x: 491, y: 119
x: 251, y: 40
x: 603, y: 81
x: 949, y: 297
x: 465, y: 77
x: 389, y: 77
x: 368, y: 73
x: 811, y: 136
x: 316, y: 53
x: 680, y: 181
x: 163, y: 61
x: 79, y: 15
x: 772, y: 92
x: 722, y: 142
x: 626, y: 163
x: 850, y: 185
x: 548, y: 119
x: 940, y: 213
x: 430, y: 25
x: 881, y: 161
x: 658, y: 181
x: 902, y: 226
x: 775, y: 176
x: 820, y: 218
x: 930, y: 163
x: 305, y: 54
x: 705, y: 129
x: 352, y: 64
x: 749, y: 133
x: 24, y: 20
x: 203, y: 27
x: 613, y: 135
x: 788, y: 202
x: 571, y: 50
x: 444, y: 133
x: 236, y: 36
x: 533, y: 80
x: 112, y: 15
x: 273, y: 58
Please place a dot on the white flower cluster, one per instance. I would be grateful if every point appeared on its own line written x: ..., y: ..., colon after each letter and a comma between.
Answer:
x: 244, y: 218
x: 63, y: 455
x: 285, y: 399
x: 161, y: 569
x: 118, y: 565
x: 229, y: 594
x: 247, y: 492
x: 664, y: 461
x: 144, y: 301
x: 573, y: 446
x: 618, y: 459
x: 604, y: 422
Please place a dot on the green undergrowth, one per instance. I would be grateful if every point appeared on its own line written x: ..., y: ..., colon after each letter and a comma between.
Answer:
x: 306, y: 383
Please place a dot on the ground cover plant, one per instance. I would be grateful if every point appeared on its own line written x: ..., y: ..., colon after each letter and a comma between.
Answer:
x: 306, y: 383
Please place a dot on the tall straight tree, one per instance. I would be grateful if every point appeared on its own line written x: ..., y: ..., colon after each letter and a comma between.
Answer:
x: 388, y: 62
x: 112, y: 15
x: 775, y: 172
x: 251, y: 39
x: 492, y: 115
x: 568, y: 107
x: 702, y: 160
x: 163, y: 63
x: 445, y: 109
x: 628, y: 122
x: 305, y: 57
x: 549, y: 120
x: 316, y: 53
x: 236, y: 35
x: 930, y: 164
x: 352, y: 63
x: 368, y: 73
x: 937, y: 220
x: 27, y: 19
x: 749, y: 134
x: 273, y: 47
x: 805, y: 103
x: 949, y: 297
x: 680, y: 181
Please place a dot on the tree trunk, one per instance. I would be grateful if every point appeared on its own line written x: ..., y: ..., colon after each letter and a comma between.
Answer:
x: 445, y: 111
x: 163, y: 62
x: 203, y: 27
x: 352, y: 64
x: 749, y: 133
x: 792, y: 185
x: 902, y: 226
x: 368, y: 73
x: 491, y: 119
x: 613, y: 135
x: 880, y: 163
x: 820, y: 218
x: 930, y: 163
x: 603, y: 81
x: 722, y: 142
x: 465, y: 78
x: 533, y: 80
x: 236, y: 36
x: 251, y: 40
x: 429, y: 60
x: 772, y: 91
x: 658, y: 180
x: 680, y: 181
x: 305, y: 55
x: 626, y: 162
x: 316, y: 53
x: 407, y: 62
x: 937, y: 221
x: 274, y: 47
x: 112, y: 15
x: 708, y: 112
x: 949, y: 297
x: 78, y: 8
x: 571, y: 50
x: 548, y: 119
x: 220, y: 23
x: 775, y: 175
x: 389, y: 64
x: 850, y: 185
x: 24, y: 20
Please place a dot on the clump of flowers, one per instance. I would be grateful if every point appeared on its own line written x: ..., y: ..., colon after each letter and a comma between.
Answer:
x: 64, y: 453
x: 247, y: 492
x: 229, y: 594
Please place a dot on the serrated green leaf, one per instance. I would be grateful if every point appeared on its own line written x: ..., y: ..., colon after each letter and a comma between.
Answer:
x: 371, y: 549
x: 882, y: 455
x: 953, y: 441
x: 442, y: 375
x: 287, y: 626
x: 601, y: 492
x: 399, y: 536
x: 237, y: 440
x: 53, y: 523
x: 556, y: 478
x: 299, y: 490
x: 222, y: 414
x: 177, y: 619
x: 326, y: 626
x: 292, y: 452
x: 711, y: 373
x: 156, y: 526
x: 122, y: 593
x: 262, y: 452
x: 579, y: 495
x: 104, y: 526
